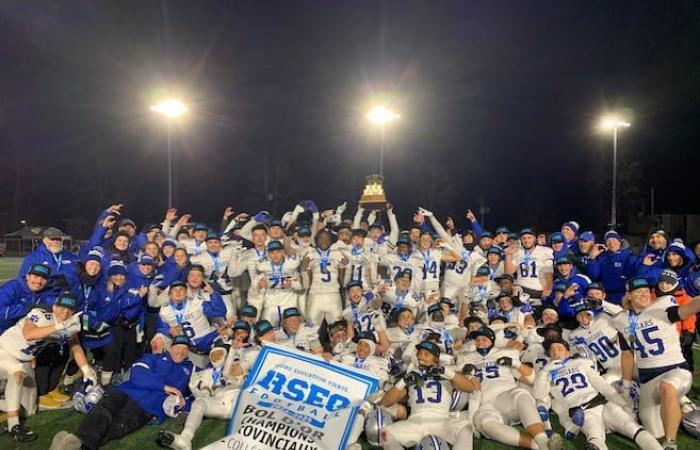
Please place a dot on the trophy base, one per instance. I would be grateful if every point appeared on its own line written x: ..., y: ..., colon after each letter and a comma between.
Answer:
x: 373, y: 202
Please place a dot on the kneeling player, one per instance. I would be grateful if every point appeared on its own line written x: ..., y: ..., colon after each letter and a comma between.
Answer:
x: 593, y: 405
x: 429, y: 390
x: 214, y: 397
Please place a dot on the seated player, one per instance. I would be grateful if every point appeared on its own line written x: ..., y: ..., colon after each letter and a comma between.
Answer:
x: 214, y: 398
x: 429, y: 388
x: 294, y: 334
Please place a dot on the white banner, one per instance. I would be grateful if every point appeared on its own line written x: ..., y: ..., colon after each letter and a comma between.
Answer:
x: 295, y: 401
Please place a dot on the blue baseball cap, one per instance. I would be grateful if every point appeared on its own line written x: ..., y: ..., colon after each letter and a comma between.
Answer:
x: 262, y: 327
x: 181, y: 339
x: 354, y: 283
x: 527, y: 230
x: 201, y: 227
x: 562, y: 260
x: 147, y: 259
x: 249, y: 311
x: 67, y: 300
x: 429, y: 346
x: 40, y: 270
x: 290, y: 312
x: 636, y: 283
x: 557, y: 238
x: 275, y: 245
x: 178, y: 283
x: 587, y: 236
x: 241, y: 325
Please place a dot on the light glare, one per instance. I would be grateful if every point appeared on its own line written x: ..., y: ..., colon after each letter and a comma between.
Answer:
x: 609, y: 123
x: 381, y: 115
x: 171, y: 108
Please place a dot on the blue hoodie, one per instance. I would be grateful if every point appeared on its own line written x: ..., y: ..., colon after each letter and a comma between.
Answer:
x: 149, y: 375
x: 16, y: 299
x: 612, y: 269
x: 566, y: 308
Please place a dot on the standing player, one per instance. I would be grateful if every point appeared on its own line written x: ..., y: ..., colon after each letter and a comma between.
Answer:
x: 362, y: 263
x: 321, y: 270
x: 426, y: 263
x: 429, y: 390
x: 278, y: 281
x: 398, y: 260
x: 246, y: 264
x: 533, y: 265
x: 593, y: 405
x: 651, y: 343
x: 215, y: 261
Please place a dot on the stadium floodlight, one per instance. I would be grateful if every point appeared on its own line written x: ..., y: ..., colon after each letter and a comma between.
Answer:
x: 613, y: 123
x: 381, y: 115
x: 172, y: 108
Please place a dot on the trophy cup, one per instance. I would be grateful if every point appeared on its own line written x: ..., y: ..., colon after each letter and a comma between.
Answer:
x: 373, y: 196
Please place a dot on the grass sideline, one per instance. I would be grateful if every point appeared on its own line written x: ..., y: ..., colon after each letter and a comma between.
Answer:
x: 47, y: 423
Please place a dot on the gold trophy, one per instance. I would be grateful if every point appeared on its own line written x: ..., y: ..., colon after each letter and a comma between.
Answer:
x: 373, y: 196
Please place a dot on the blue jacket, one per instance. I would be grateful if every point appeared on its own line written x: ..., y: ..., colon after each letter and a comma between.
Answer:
x: 16, y: 299
x: 99, y: 313
x: 612, y: 269
x: 133, y: 306
x: 63, y: 265
x: 652, y: 272
x: 168, y: 272
x: 149, y: 375
x: 566, y: 308
x: 691, y: 283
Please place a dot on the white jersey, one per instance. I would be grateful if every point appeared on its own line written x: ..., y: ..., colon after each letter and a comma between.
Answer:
x: 376, y: 365
x: 399, y: 339
x: 404, y: 300
x: 276, y: 294
x: 601, y: 338
x: 216, y: 265
x: 189, y: 315
x: 535, y: 355
x: 431, y: 397
x: 325, y: 268
x: 426, y: 268
x: 364, y: 317
x: 192, y: 246
x: 396, y: 263
x: 572, y: 382
x: 305, y: 339
x: 361, y: 265
x: 460, y: 272
x: 494, y: 379
x: 532, y: 266
x: 14, y: 343
x: 479, y: 294
x: 652, y: 336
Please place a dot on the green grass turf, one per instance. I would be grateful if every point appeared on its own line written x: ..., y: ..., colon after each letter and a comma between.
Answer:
x: 48, y: 423
x: 8, y: 268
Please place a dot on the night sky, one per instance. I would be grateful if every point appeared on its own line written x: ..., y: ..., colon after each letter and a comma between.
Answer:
x: 498, y: 99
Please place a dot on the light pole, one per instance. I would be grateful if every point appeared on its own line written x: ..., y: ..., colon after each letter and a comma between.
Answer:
x: 172, y: 109
x: 613, y: 124
x: 380, y: 115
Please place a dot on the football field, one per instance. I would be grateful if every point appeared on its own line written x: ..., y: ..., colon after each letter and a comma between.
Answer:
x: 47, y: 423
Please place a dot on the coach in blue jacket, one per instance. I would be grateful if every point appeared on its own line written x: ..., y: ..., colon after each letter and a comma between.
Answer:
x: 131, y: 405
x: 612, y: 265
x: 20, y: 295
x: 50, y: 252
